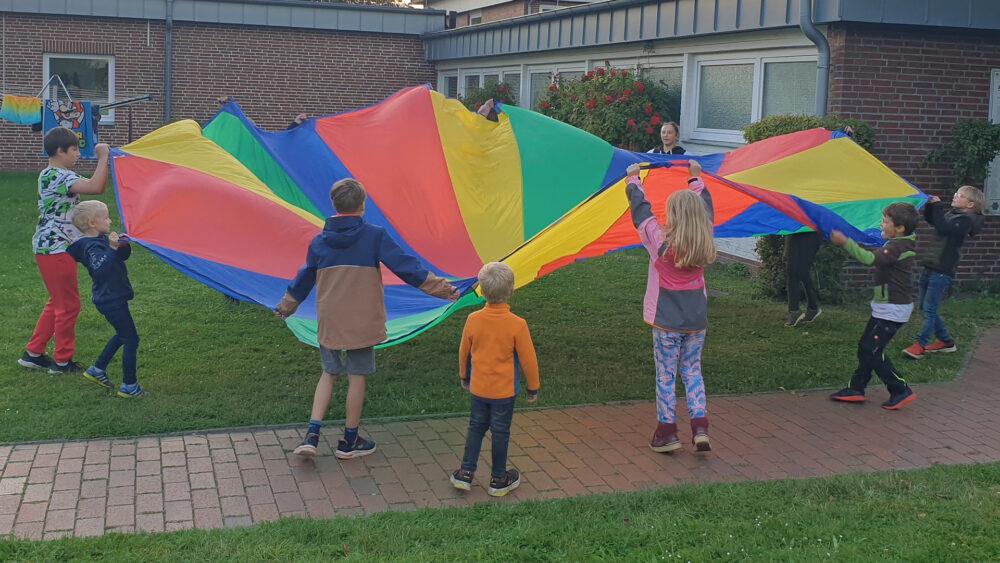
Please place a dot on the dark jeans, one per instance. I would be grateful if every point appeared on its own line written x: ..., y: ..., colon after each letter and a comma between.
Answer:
x: 493, y: 416
x: 933, y: 286
x: 800, y: 253
x: 871, y: 357
x: 125, y: 335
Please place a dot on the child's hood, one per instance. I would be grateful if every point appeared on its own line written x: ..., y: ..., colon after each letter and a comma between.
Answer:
x: 78, y: 250
x: 342, y: 231
x: 978, y: 219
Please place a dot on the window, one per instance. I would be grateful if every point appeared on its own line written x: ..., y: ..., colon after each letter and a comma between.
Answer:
x: 475, y: 17
x: 789, y: 88
x: 725, y: 96
x: 538, y: 83
x: 471, y: 83
x: 671, y: 79
x: 993, y: 178
x: 491, y: 79
x: 451, y: 86
x: 567, y: 75
x: 87, y: 77
x: 513, y: 80
x: 545, y: 7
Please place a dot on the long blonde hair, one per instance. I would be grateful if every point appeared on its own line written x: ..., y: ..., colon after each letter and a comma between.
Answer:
x: 688, y: 231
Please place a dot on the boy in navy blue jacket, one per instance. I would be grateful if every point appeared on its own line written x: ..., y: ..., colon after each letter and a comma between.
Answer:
x: 104, y: 253
x: 343, y: 263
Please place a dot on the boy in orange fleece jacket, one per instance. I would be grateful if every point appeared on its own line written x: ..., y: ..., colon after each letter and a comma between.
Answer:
x: 496, y: 346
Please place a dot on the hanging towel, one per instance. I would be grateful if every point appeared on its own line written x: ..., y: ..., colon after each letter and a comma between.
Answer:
x: 77, y: 116
x: 22, y: 110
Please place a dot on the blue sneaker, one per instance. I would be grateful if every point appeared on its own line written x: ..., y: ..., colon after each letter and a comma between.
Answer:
x: 98, y: 376
x: 130, y: 391
x: 360, y: 448
x: 308, y: 446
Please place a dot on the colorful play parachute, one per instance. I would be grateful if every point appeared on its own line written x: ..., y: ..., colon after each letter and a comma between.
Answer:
x: 235, y: 207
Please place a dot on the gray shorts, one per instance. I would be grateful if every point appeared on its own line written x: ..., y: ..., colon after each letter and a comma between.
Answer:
x: 359, y: 362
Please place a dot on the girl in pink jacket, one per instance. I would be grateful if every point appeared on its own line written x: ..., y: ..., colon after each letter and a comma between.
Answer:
x: 676, y: 303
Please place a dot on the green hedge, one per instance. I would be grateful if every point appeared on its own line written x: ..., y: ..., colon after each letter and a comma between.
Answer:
x: 770, y: 280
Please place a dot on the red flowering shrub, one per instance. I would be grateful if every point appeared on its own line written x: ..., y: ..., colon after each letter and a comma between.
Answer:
x: 613, y: 104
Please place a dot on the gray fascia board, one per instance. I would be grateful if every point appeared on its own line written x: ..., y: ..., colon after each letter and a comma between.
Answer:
x: 275, y: 13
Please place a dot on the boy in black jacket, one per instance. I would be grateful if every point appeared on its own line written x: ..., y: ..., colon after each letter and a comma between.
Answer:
x: 951, y: 227
x: 104, y: 254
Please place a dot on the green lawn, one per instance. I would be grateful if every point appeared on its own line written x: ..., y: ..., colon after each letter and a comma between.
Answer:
x: 940, y: 514
x: 209, y: 363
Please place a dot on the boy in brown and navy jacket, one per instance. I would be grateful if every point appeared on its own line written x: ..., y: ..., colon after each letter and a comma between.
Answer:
x: 496, y: 346
x: 892, y: 304
x: 343, y: 262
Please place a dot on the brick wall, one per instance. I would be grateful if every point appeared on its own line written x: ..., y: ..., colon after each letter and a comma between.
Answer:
x: 913, y: 85
x: 273, y: 73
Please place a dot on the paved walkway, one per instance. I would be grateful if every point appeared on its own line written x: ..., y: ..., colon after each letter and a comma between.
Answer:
x: 241, y: 478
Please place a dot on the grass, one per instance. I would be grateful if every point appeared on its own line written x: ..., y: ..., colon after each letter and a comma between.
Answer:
x: 939, y: 514
x: 210, y: 363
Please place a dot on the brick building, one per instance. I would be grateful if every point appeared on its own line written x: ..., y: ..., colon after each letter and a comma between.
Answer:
x: 911, y: 69
x: 474, y: 12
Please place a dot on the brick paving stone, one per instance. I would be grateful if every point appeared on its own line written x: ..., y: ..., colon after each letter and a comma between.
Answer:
x: 56, y: 520
x: 176, y: 526
x: 176, y: 491
x: 177, y: 511
x: 123, y: 478
x: 206, y: 498
x: 71, y: 465
x: 262, y: 494
x: 32, y: 512
x: 95, y: 488
x: 235, y: 506
x: 202, y: 481
x: 89, y: 527
x: 90, y: 507
x: 120, y: 516
x: 60, y: 499
x: 37, y: 493
x: 149, y: 522
x: 264, y: 512
x: 148, y: 502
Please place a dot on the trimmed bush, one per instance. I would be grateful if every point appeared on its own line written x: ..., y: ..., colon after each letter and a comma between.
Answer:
x: 973, y: 145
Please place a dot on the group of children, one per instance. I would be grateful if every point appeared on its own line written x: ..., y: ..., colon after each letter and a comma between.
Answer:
x: 343, y: 265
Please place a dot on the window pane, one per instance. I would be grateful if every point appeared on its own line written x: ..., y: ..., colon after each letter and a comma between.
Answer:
x: 491, y: 79
x: 470, y: 83
x: 725, y: 96
x: 513, y: 80
x: 567, y: 75
x: 539, y: 83
x: 451, y: 86
x: 789, y: 88
x: 86, y: 79
x: 671, y: 79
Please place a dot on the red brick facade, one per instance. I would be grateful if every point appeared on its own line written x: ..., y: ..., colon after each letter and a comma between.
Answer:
x: 913, y: 85
x: 274, y: 73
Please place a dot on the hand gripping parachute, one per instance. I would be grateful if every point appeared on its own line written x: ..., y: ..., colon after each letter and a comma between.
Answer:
x: 235, y: 207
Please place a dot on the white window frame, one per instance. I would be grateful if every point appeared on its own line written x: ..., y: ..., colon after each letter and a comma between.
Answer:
x: 476, y: 14
x: 443, y: 82
x: 553, y: 70
x: 482, y: 72
x: 108, y: 119
x: 693, y: 86
x: 991, y: 186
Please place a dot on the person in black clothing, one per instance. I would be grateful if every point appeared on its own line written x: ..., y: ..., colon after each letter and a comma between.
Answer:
x: 670, y: 133
x: 104, y: 253
x: 800, y: 253
x: 951, y: 227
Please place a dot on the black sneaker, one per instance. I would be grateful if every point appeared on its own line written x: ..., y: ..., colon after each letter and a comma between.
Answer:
x: 500, y: 486
x: 795, y: 317
x: 308, y: 446
x: 68, y: 367
x: 34, y: 362
x: 360, y: 448
x: 848, y: 395
x: 811, y: 315
x: 900, y: 400
x: 462, y: 479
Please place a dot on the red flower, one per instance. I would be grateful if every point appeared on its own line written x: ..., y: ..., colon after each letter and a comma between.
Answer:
x: 649, y: 130
x: 502, y: 89
x: 553, y: 87
x: 627, y: 93
x: 614, y: 72
x: 631, y: 123
x: 656, y: 120
x: 639, y: 86
x: 600, y: 71
x: 624, y: 73
x: 591, y: 103
x: 608, y: 100
x: 648, y: 109
x: 545, y: 105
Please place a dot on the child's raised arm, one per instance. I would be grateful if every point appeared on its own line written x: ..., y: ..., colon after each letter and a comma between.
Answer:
x: 95, y: 184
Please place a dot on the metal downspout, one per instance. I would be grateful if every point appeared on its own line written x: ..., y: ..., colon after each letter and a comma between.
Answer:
x: 168, y: 68
x: 823, y: 62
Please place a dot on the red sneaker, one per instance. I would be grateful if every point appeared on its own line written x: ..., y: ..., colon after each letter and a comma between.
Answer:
x: 939, y: 346
x: 915, y: 351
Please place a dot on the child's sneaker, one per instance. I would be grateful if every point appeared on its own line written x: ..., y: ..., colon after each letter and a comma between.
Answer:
x: 462, y: 479
x: 34, y: 362
x: 915, y: 351
x: 500, y: 486
x: 848, y: 395
x: 308, y: 446
x: 941, y: 346
x: 97, y: 376
x: 130, y: 391
x: 795, y: 317
x: 900, y: 400
x: 665, y: 438
x: 68, y: 367
x: 811, y: 315
x: 360, y: 448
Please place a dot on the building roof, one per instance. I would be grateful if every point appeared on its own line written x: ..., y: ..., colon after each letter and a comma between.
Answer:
x: 624, y: 21
x: 278, y: 13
